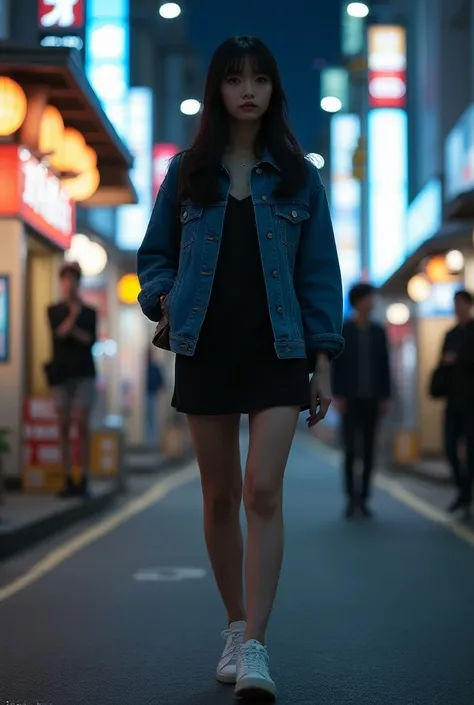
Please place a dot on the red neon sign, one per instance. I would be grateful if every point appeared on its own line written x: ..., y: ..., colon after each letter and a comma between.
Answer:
x: 61, y: 14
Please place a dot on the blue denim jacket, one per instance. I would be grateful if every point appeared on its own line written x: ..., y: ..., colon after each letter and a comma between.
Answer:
x: 299, y: 258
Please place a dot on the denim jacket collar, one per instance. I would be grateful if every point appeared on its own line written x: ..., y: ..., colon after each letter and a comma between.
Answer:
x: 268, y: 159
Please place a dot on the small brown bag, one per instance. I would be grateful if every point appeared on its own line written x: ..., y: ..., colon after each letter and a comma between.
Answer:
x: 161, y: 337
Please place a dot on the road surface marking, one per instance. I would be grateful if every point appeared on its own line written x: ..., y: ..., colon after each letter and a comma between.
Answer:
x: 169, y: 575
x: 397, y: 491
x: 60, y: 554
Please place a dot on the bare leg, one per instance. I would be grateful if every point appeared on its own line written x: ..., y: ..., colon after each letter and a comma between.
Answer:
x: 64, y: 440
x: 216, y: 442
x: 83, y: 427
x: 271, y: 435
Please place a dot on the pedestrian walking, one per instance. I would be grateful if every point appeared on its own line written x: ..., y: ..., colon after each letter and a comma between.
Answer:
x: 248, y: 289
x: 362, y: 390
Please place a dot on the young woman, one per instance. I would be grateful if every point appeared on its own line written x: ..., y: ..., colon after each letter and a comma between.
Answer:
x: 254, y: 302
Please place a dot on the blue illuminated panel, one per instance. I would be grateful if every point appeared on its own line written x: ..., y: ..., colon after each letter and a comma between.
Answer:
x: 345, y: 195
x: 388, y: 191
x: 108, y: 57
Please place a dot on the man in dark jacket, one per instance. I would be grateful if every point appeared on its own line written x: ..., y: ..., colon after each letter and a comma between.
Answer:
x: 361, y: 388
x: 72, y: 373
x: 458, y: 363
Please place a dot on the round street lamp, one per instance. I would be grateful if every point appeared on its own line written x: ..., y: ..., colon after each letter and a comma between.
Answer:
x: 357, y: 9
x: 331, y: 104
x: 170, y: 10
x: 191, y: 106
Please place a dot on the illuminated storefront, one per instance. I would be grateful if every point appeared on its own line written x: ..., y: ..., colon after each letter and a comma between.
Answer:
x: 46, y: 168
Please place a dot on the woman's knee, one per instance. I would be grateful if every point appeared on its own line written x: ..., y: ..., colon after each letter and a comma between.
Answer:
x: 222, y: 505
x: 262, y: 497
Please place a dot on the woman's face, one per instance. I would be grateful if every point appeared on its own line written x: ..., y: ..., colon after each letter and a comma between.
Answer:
x: 246, y: 96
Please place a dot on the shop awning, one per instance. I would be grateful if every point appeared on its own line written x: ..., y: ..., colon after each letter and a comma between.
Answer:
x: 61, y: 71
x: 454, y: 235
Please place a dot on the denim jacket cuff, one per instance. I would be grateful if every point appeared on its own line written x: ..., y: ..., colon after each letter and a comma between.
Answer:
x: 332, y: 342
x: 149, y: 298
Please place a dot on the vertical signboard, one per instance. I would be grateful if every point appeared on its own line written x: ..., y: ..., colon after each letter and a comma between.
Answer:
x: 61, y: 23
x: 387, y: 67
x: 132, y: 221
x: 345, y: 195
x: 107, y: 57
x: 387, y: 151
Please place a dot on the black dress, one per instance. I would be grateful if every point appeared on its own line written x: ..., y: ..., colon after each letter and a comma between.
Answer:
x: 235, y: 368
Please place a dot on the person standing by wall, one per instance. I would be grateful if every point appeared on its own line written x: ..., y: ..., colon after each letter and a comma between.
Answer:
x: 457, y: 366
x: 71, y: 373
x: 362, y: 389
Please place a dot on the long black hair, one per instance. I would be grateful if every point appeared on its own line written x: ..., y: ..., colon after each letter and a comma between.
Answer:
x: 203, y: 160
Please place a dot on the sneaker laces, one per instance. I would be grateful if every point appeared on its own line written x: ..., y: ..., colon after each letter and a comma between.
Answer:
x: 236, y: 639
x: 255, y: 659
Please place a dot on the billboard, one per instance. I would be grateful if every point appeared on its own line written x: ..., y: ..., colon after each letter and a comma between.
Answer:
x: 345, y: 194
x: 132, y: 220
x: 108, y: 57
x: 162, y: 155
x: 387, y: 66
x: 387, y: 191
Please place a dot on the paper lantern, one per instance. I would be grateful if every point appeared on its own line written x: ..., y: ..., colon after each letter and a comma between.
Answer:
x: 51, y: 130
x: 13, y: 106
x: 88, y: 160
x: 437, y: 270
x: 419, y: 288
x: 70, y: 150
x: 83, y: 186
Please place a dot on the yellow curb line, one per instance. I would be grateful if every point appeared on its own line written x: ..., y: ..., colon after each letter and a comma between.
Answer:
x: 60, y: 554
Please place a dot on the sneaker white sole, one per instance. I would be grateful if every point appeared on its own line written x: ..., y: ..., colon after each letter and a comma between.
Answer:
x: 226, y: 678
x: 256, y: 688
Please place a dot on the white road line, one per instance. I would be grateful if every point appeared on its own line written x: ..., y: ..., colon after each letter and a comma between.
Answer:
x: 60, y: 554
x: 397, y: 491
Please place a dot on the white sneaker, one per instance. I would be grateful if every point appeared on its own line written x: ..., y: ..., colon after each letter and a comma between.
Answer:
x: 227, y: 667
x: 253, y: 676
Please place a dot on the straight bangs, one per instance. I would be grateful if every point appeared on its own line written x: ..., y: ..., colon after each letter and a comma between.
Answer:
x: 238, y: 56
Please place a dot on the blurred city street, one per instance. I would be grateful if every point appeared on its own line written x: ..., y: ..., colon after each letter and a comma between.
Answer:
x: 369, y: 612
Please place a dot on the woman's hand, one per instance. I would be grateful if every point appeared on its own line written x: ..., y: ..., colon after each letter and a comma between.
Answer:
x: 320, y: 390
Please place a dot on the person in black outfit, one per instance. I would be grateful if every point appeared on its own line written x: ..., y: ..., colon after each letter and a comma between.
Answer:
x: 457, y: 358
x: 72, y: 373
x: 362, y: 390
x: 254, y: 302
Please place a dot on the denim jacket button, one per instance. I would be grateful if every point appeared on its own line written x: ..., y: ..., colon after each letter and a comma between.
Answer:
x: 288, y: 349
x: 270, y: 236
x: 275, y: 273
x: 185, y: 215
x: 294, y: 214
x: 259, y: 171
x: 264, y: 198
x: 279, y: 309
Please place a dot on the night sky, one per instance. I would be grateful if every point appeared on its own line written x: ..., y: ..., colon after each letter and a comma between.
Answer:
x: 299, y: 32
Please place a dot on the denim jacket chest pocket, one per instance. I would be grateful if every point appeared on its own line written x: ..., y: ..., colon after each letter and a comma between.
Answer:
x: 190, y: 219
x: 290, y: 217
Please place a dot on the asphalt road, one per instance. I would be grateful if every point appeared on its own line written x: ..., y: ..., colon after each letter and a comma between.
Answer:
x: 369, y: 612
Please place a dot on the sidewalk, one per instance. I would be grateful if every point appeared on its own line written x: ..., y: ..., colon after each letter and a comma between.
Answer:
x: 27, y: 518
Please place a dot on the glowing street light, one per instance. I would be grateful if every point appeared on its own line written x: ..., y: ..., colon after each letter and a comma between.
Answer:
x: 357, y: 9
x: 170, y: 11
x: 191, y: 106
x: 331, y: 104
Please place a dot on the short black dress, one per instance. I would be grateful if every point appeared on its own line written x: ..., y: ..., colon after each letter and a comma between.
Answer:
x: 235, y: 368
